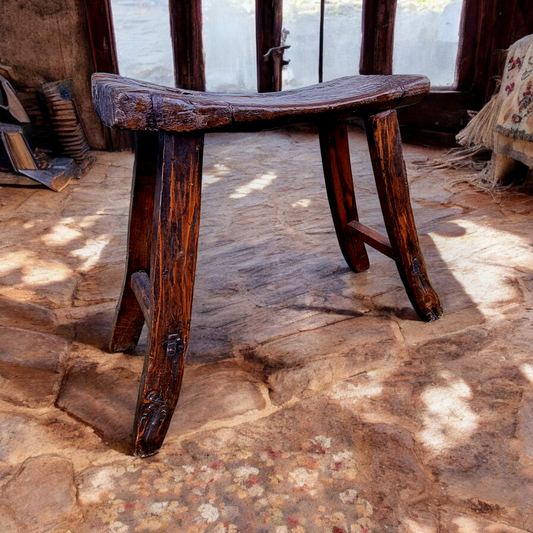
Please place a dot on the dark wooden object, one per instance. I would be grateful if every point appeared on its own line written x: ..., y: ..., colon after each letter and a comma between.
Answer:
x: 161, y: 262
x: 187, y: 43
x: 268, y: 24
x: 104, y: 52
x: 378, y: 36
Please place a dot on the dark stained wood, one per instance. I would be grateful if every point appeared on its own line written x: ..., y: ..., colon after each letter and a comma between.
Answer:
x: 384, y: 141
x: 378, y: 36
x: 371, y: 237
x: 321, y: 42
x: 268, y: 26
x: 183, y: 116
x: 439, y: 139
x: 104, y: 52
x: 444, y: 111
x: 129, y: 318
x: 140, y: 285
x: 135, y: 105
x: 103, y: 45
x: 187, y: 43
x: 466, y: 56
x: 339, y: 185
x: 175, y: 237
x: 499, y: 24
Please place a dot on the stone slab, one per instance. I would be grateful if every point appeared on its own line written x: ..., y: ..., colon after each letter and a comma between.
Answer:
x: 30, y: 365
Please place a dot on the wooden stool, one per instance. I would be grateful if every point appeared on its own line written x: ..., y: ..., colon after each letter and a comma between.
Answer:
x: 165, y: 204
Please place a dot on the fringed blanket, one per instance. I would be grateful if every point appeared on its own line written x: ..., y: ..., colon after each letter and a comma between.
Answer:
x: 515, y: 119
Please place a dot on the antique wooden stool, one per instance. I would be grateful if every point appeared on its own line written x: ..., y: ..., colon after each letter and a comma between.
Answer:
x: 165, y: 204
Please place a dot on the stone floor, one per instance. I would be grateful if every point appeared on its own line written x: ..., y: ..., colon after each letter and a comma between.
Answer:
x: 314, y: 399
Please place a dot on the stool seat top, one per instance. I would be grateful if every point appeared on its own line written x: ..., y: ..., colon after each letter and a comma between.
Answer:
x: 135, y: 105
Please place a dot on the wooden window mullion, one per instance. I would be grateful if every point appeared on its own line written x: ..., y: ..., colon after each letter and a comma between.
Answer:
x: 378, y: 36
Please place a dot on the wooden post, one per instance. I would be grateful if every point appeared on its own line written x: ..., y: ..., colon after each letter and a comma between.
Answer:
x: 104, y: 52
x: 378, y: 36
x: 500, y: 23
x: 385, y: 146
x: 337, y: 167
x: 173, y: 264
x: 129, y: 318
x: 268, y: 25
x: 187, y: 43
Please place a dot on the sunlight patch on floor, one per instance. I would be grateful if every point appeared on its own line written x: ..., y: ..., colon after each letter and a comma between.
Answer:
x: 448, y: 419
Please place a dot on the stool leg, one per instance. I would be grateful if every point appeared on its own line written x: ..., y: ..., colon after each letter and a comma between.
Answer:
x: 384, y: 140
x: 174, y: 244
x: 129, y: 318
x: 339, y: 185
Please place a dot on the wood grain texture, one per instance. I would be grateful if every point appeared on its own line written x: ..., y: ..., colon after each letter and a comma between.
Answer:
x: 135, y: 105
x: 378, y: 36
x: 371, y: 237
x: 384, y: 141
x: 175, y: 238
x: 500, y: 23
x: 140, y: 285
x: 339, y: 185
x: 129, y: 318
x: 104, y: 52
x: 187, y: 43
x: 268, y: 25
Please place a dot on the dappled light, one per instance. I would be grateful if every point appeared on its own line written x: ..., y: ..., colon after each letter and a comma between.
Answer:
x: 527, y: 370
x: 34, y: 270
x: 448, y: 419
x: 215, y: 173
x: 61, y: 234
x: 258, y: 184
x: 90, y: 252
x: 312, y: 372
x: 304, y: 202
x: 494, y: 255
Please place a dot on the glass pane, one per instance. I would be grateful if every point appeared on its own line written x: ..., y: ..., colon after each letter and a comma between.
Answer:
x: 426, y: 38
x: 229, y: 44
x: 342, y: 40
x: 142, y: 32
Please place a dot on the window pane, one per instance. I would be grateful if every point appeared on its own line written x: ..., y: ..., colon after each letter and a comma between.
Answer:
x: 426, y: 38
x: 229, y: 44
x: 142, y: 32
x: 342, y: 40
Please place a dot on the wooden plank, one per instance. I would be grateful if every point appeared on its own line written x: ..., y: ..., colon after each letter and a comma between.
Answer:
x: 129, y: 318
x: 371, y: 237
x: 383, y: 136
x: 140, y: 285
x: 187, y: 43
x: 378, y: 36
x: 335, y: 153
x: 104, y: 52
x: 268, y: 26
x: 173, y: 264
x: 138, y: 105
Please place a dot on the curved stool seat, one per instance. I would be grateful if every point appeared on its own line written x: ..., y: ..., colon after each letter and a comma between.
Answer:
x: 136, y: 105
x: 165, y: 204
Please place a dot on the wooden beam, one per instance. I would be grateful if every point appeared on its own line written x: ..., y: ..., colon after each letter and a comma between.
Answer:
x: 444, y: 111
x: 378, y: 36
x: 187, y: 43
x: 466, y: 53
x: 140, y: 285
x: 268, y: 25
x: 104, y: 52
x: 371, y: 237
